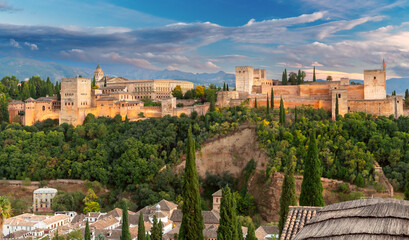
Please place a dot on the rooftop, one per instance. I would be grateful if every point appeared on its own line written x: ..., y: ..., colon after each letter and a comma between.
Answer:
x: 297, y: 217
x: 46, y: 190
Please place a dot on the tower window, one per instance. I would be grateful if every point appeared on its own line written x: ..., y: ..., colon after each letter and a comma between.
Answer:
x: 43, y: 108
x: 339, y: 95
x: 374, y: 77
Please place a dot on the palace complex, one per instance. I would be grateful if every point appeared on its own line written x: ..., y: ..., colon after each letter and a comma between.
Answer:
x: 370, y: 97
x: 115, y: 95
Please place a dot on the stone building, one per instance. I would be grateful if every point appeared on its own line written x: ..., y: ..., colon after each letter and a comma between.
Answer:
x: 370, y: 97
x: 120, y: 96
x: 43, y: 199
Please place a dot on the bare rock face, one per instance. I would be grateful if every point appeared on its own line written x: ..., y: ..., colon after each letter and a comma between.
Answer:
x: 229, y: 153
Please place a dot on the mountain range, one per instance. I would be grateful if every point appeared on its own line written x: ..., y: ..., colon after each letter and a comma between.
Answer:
x: 24, y: 68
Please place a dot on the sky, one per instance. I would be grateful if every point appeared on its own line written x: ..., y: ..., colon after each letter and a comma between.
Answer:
x: 339, y: 38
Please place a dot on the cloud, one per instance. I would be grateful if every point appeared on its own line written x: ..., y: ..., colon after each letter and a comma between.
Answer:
x: 5, y: 7
x: 32, y: 46
x: 14, y: 43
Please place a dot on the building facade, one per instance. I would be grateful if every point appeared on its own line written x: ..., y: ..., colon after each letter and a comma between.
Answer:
x: 43, y: 199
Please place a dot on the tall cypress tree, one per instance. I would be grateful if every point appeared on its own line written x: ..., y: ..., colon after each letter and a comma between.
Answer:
x: 94, y: 83
x: 126, y: 235
x: 224, y: 86
x: 336, y: 108
x: 313, y: 75
x: 311, y: 187
x: 227, y: 229
x: 192, y: 226
x: 407, y: 97
x: 105, y: 82
x: 87, y: 234
x: 299, y: 77
x: 288, y: 195
x: 272, y: 98
x: 268, y: 105
x: 284, y: 80
x: 156, y: 231
x: 255, y: 103
x: 282, y: 112
x: 251, y: 232
x: 295, y: 115
x: 141, y: 227
x: 227, y: 87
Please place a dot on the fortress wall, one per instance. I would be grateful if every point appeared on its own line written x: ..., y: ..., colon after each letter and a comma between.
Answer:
x: 152, y: 111
x: 186, y: 102
x: 293, y: 101
x: 386, y: 107
x: 355, y: 91
x: 314, y: 90
x: 282, y: 90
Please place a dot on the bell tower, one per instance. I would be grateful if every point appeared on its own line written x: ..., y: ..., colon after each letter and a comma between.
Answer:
x: 98, y: 74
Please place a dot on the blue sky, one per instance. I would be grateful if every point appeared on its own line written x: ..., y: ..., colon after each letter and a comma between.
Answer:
x: 340, y: 38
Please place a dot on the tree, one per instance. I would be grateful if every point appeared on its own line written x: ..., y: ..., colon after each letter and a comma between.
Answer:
x: 255, y: 103
x: 299, y: 77
x: 303, y: 75
x: 228, y: 220
x: 239, y: 231
x: 288, y: 194
x: 5, y: 212
x: 292, y: 78
x: 87, y: 234
x: 4, y: 111
x: 177, y: 92
x: 26, y: 91
x: 90, y: 201
x: 295, y: 115
x: 227, y: 87
x: 311, y: 187
x: 105, y: 81
x: 192, y: 226
x: 251, y: 232
x: 224, y: 87
x: 407, y: 186
x: 93, y: 83
x: 329, y: 78
x: 272, y: 98
x: 407, y: 97
x: 156, y: 231
x: 126, y: 235
x: 282, y: 112
x: 314, y: 79
x: 284, y: 78
x: 141, y: 227
x: 212, y: 106
x: 336, y: 108
x: 200, y: 91
x: 268, y: 105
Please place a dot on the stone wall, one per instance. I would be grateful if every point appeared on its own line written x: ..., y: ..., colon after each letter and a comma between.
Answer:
x: 385, y: 107
x: 375, y: 84
x: 355, y: 92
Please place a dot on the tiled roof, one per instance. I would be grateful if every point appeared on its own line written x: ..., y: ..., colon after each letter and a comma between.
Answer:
x: 263, y: 231
x: 16, y: 102
x: 107, y: 99
x: 209, y: 217
x: 56, y: 218
x: 218, y: 193
x: 105, y: 222
x: 297, y: 217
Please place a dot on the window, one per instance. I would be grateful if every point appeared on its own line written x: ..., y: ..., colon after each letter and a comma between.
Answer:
x: 374, y: 77
x: 339, y: 95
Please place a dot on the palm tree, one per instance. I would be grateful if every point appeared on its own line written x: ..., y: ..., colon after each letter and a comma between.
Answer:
x: 5, y: 212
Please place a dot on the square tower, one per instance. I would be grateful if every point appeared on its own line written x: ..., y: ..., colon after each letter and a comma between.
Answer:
x: 75, y: 95
x: 259, y: 76
x: 244, y: 79
x: 374, y: 84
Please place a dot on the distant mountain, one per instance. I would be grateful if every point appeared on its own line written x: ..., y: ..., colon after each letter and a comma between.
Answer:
x: 24, y: 68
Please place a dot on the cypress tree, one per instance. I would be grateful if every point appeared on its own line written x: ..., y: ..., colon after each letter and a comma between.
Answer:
x: 126, y: 235
x: 87, y: 234
x: 295, y: 115
x: 148, y: 237
x: 141, y: 227
x: 336, y: 109
x: 156, y: 231
x: 227, y: 87
x: 313, y: 75
x: 272, y: 98
x: 212, y: 106
x: 268, y: 105
x: 282, y: 112
x: 407, y: 97
x: 94, y: 83
x: 228, y: 220
x: 288, y: 195
x: 299, y: 79
x: 311, y: 187
x: 251, y: 232
x: 192, y: 226
x: 239, y: 231
x: 224, y: 86
x: 255, y: 103
x: 284, y: 80
x: 105, y: 82
x: 407, y: 186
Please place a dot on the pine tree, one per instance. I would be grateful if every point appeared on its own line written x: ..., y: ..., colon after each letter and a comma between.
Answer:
x: 272, y: 98
x: 126, y: 235
x: 239, y: 231
x: 87, y: 234
x: 407, y: 186
x: 336, y: 109
x: 227, y: 87
x: 282, y: 112
x: 192, y: 226
x: 156, y: 231
x: 228, y: 220
x: 251, y: 232
x: 407, y: 97
x: 255, y: 103
x: 141, y: 227
x: 288, y: 195
x: 311, y: 187
x: 314, y: 79
x: 268, y: 105
x: 94, y: 83
x: 284, y: 80
x: 224, y: 87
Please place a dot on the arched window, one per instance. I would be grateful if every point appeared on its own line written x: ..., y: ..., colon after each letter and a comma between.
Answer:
x: 43, y: 108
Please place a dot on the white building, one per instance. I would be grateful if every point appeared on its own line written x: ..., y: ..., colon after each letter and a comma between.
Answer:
x: 43, y: 199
